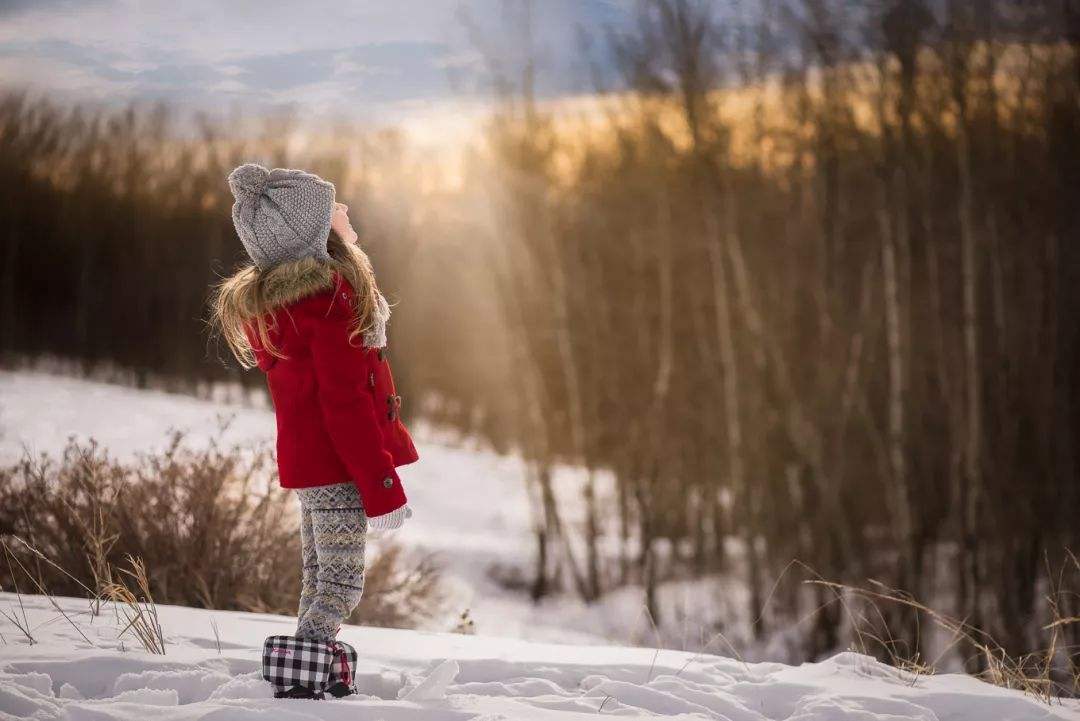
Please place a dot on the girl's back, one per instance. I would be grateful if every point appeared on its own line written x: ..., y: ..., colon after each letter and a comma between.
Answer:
x: 335, y: 400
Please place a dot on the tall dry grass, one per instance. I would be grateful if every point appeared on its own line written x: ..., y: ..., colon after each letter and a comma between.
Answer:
x: 1050, y: 672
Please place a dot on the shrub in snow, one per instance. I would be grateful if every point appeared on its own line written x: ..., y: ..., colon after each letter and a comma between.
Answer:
x: 211, y: 525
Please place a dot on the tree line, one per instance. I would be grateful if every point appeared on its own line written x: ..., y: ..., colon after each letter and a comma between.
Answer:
x: 813, y: 289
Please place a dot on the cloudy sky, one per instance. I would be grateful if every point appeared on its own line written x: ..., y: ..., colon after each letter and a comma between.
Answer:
x: 374, y: 59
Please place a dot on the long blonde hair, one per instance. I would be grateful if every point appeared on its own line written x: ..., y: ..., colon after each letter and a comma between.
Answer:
x: 248, y: 297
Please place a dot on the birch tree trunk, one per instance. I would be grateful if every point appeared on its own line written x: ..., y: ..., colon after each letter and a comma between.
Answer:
x: 973, y: 474
x: 571, y: 377
x: 661, y: 395
x: 909, y: 561
x: 718, y: 240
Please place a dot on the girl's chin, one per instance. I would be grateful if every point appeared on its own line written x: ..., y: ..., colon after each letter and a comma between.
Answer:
x: 348, y: 236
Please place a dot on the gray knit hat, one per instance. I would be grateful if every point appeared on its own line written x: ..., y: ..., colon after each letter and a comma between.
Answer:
x: 281, y: 214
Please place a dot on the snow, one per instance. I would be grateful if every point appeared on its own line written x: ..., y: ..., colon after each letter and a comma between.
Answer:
x: 528, y: 661
x: 447, y: 677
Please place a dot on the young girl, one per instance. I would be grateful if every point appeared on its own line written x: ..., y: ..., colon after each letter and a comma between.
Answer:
x: 307, y: 312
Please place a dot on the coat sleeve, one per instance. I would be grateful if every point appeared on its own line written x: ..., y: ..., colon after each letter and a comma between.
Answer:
x: 348, y: 410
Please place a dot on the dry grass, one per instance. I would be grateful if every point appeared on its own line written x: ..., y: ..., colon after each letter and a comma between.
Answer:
x: 1048, y: 674
x: 39, y: 584
x: 201, y: 527
x: 18, y: 617
x: 139, y: 611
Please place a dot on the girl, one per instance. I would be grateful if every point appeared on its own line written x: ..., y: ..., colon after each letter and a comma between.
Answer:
x: 307, y: 312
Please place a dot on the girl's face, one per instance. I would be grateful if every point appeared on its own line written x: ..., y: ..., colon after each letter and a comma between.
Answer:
x: 339, y: 221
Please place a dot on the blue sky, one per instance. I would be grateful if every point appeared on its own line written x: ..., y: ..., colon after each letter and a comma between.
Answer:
x: 371, y: 59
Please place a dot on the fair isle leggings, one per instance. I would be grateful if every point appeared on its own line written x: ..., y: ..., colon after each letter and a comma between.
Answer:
x: 333, y: 528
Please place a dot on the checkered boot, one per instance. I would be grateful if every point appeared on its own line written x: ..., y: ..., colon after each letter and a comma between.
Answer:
x: 308, y: 669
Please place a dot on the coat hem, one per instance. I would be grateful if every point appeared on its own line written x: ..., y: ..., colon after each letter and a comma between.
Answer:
x: 292, y: 486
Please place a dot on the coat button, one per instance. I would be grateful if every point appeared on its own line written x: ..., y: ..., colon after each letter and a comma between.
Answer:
x: 388, y: 482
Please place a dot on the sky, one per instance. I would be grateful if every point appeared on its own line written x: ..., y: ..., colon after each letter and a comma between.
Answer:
x: 367, y: 59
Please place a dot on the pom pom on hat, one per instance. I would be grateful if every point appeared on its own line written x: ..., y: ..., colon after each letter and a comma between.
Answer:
x: 248, y: 179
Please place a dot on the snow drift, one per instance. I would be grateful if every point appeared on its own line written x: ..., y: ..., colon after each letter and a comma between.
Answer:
x: 211, y: 671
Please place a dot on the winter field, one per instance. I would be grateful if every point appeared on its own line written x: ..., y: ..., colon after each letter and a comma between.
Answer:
x: 211, y: 672
x: 527, y: 661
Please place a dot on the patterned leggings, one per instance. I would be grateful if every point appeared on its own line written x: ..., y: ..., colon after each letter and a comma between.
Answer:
x: 333, y: 528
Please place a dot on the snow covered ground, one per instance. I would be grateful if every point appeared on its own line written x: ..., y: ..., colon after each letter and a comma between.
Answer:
x: 446, y: 677
x: 472, y: 510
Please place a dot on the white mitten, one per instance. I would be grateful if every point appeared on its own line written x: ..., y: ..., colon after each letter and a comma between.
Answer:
x: 389, y: 522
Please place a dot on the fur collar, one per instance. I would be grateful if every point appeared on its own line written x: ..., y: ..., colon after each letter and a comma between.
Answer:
x: 289, y: 282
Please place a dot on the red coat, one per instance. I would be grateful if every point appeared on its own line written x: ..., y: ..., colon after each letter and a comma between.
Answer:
x: 335, y: 402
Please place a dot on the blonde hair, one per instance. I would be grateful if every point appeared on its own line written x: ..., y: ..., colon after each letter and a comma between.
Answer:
x: 247, y: 298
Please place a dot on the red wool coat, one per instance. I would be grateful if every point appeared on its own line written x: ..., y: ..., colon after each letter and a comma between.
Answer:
x: 335, y: 402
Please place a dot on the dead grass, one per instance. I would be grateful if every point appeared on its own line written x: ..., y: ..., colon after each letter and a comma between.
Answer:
x: 139, y: 610
x: 18, y: 617
x: 137, y: 607
x: 1048, y: 674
